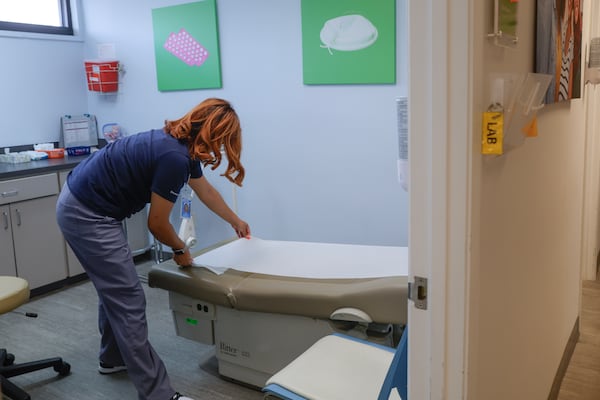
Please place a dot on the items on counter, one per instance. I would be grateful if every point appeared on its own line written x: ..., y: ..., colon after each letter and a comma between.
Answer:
x: 14, y: 158
x: 79, y: 133
x: 55, y: 153
x: 41, y: 151
x: 78, y: 130
x: 112, y: 132
x: 49, y: 149
x: 22, y: 156
x: 43, y: 146
x: 79, y: 150
x: 79, y: 136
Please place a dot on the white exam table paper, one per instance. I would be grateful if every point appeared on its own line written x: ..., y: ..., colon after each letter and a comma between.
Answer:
x: 306, y: 259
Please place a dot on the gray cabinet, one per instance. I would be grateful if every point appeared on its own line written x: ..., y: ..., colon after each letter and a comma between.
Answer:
x: 28, y: 212
x: 7, y: 262
x: 136, y: 229
x: 73, y: 265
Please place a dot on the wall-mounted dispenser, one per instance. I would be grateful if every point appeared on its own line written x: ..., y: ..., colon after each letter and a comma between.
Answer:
x: 102, y: 75
x: 402, y: 115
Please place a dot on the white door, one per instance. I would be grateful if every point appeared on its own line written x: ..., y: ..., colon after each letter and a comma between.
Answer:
x: 441, y: 128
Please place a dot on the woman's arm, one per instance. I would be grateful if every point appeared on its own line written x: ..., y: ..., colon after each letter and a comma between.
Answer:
x: 214, y: 201
x: 160, y: 226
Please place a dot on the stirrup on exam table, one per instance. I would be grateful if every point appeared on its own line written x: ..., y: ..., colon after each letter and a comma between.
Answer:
x: 342, y: 367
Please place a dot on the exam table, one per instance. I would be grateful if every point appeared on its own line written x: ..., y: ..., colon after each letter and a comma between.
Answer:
x: 259, y: 322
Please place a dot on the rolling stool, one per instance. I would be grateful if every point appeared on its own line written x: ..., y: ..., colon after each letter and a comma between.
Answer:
x: 13, y: 293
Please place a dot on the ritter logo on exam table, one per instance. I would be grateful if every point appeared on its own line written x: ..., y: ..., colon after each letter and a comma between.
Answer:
x: 230, y: 350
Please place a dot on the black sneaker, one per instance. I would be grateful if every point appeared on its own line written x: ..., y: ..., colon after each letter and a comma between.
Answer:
x: 178, y: 396
x: 106, y: 369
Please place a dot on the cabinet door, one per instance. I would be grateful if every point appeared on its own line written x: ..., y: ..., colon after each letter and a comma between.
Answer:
x: 38, y: 242
x: 7, y: 259
x: 136, y: 229
x: 74, y: 266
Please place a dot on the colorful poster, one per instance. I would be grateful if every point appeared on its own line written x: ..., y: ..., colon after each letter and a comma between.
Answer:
x: 349, y: 42
x: 186, y: 46
x: 558, y: 47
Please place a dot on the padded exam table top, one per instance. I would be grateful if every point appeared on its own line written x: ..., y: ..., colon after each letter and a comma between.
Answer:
x: 382, y: 297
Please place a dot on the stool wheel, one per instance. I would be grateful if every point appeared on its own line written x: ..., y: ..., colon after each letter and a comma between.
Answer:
x: 63, y: 369
x: 9, y: 359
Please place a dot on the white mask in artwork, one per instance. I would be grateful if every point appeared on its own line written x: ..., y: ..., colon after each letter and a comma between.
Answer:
x: 348, y: 33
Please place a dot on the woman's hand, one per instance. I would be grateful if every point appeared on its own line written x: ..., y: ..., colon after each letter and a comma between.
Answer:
x: 183, y: 260
x: 241, y: 228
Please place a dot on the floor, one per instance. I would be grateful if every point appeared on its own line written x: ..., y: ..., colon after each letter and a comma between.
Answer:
x: 582, y: 379
x: 66, y: 327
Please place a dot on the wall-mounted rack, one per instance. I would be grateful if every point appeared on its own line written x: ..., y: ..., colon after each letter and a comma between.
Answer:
x: 517, y: 97
x: 592, y: 66
x: 505, y: 24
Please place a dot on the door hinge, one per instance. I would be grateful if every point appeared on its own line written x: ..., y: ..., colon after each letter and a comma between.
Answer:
x: 417, y: 292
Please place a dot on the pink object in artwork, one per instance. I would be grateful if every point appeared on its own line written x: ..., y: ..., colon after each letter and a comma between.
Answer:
x: 183, y: 46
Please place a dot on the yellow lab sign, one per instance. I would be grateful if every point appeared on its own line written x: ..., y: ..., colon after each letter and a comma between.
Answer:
x: 492, y: 132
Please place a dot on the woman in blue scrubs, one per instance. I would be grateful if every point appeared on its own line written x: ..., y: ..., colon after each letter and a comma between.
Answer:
x: 120, y: 180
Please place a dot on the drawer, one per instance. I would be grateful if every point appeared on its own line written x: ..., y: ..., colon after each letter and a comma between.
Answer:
x: 31, y: 187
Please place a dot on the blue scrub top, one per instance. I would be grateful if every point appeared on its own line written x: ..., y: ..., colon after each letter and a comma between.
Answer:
x: 118, y: 180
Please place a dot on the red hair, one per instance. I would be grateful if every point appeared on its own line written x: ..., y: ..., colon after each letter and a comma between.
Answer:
x: 209, y: 127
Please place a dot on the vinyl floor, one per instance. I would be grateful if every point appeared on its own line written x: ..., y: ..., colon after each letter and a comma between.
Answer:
x: 582, y: 379
x: 66, y: 327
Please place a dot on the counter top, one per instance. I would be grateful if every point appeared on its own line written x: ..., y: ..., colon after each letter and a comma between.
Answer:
x: 8, y: 171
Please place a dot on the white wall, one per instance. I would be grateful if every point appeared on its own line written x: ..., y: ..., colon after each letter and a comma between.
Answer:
x: 40, y: 80
x: 526, y: 235
x: 320, y: 160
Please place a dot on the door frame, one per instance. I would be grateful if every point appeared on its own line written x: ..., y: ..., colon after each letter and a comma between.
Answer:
x: 441, y: 133
x: 590, y: 235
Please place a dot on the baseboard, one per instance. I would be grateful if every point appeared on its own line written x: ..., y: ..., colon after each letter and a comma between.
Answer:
x: 58, y: 285
x: 564, y: 362
x: 598, y: 273
x: 598, y: 266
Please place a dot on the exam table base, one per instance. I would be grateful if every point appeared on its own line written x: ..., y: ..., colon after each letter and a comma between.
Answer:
x: 252, y: 346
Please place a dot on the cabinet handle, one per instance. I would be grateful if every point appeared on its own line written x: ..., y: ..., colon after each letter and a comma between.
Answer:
x: 18, y: 214
x: 5, y: 218
x: 10, y: 193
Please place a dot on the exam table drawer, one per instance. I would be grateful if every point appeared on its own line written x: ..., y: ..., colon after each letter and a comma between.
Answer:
x: 32, y: 187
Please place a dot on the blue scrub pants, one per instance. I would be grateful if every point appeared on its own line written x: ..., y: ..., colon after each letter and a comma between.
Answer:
x: 100, y: 244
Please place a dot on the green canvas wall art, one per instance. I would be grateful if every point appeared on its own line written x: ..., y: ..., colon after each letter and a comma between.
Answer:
x: 186, y: 46
x: 349, y: 42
